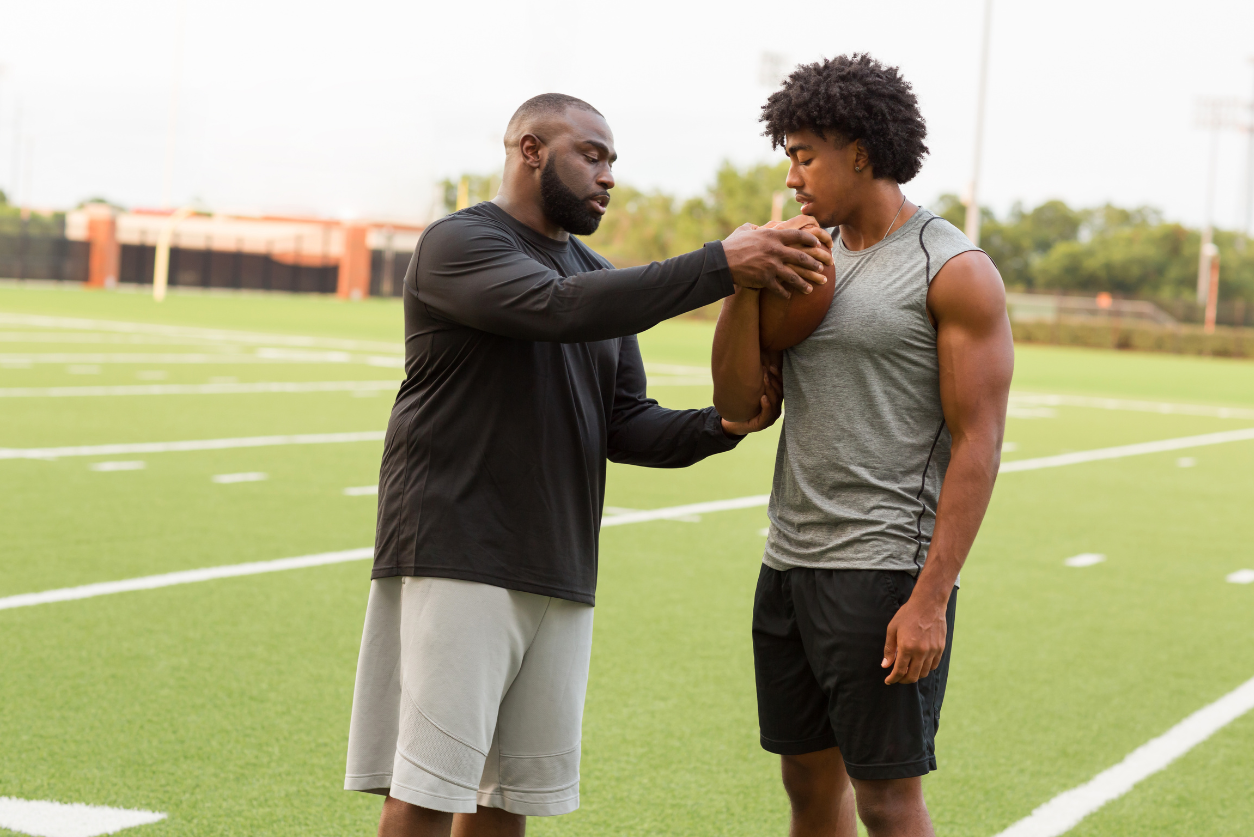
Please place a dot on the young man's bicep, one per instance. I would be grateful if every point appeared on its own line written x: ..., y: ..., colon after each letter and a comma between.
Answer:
x: 974, y: 344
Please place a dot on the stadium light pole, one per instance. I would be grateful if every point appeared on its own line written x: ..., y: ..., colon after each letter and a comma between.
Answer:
x: 973, y: 201
x: 171, y: 125
x: 1216, y: 114
x: 1248, y: 229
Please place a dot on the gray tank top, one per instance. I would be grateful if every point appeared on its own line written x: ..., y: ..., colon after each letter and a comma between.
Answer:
x: 864, y: 447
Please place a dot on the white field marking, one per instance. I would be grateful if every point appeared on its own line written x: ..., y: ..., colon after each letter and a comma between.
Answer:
x: 152, y: 374
x: 88, y: 338
x: 212, y: 335
x: 60, y: 819
x: 674, y: 381
x: 1121, y: 451
x: 1085, y: 559
x: 702, y: 372
x: 679, y: 512
x: 195, y: 445
x: 361, y: 491
x: 1160, y: 407
x: 1186, y: 462
x: 1017, y: 412
x: 218, y: 388
x: 89, y: 362
x: 614, y: 511
x: 1009, y: 447
x: 247, y: 476
x: 118, y: 466
x: 223, y: 379
x: 1241, y: 577
x: 152, y: 582
x: 764, y: 533
x: 1065, y: 811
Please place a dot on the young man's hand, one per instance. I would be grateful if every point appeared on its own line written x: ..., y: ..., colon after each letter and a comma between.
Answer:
x: 772, y: 399
x: 915, y: 641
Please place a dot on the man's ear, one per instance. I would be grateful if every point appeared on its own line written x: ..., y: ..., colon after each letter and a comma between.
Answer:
x: 530, y: 147
x: 861, y: 159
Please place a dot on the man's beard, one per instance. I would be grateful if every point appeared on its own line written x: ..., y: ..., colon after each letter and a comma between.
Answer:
x: 563, y: 207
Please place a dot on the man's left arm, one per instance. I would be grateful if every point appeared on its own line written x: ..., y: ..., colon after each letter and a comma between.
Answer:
x: 967, y: 302
x: 641, y: 432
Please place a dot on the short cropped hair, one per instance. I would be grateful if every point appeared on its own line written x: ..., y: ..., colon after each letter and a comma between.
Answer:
x: 852, y: 98
x: 546, y: 104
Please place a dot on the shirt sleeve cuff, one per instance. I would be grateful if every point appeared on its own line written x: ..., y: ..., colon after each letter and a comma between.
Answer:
x: 716, y: 269
x: 725, y: 440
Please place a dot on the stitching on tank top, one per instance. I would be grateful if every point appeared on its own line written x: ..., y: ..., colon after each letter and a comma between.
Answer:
x: 927, y: 268
x: 918, y: 526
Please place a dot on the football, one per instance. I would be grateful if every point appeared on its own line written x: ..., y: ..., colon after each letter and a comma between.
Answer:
x: 783, y: 323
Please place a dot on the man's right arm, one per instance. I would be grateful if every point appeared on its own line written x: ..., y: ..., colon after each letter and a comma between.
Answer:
x: 472, y: 273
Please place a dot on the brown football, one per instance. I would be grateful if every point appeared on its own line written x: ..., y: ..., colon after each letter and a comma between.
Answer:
x: 783, y: 323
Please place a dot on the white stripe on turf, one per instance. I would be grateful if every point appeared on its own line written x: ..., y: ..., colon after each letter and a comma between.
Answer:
x: 1132, y: 405
x: 684, y: 511
x: 151, y: 582
x: 214, y: 335
x: 1121, y: 451
x: 74, y: 819
x: 1065, y: 811
x: 198, y: 444
x: 261, y: 356
x: 202, y: 389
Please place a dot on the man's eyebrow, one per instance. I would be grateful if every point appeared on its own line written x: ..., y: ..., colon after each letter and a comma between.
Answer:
x: 603, y: 148
x: 793, y: 149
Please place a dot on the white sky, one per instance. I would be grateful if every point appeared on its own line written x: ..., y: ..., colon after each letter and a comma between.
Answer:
x: 355, y: 108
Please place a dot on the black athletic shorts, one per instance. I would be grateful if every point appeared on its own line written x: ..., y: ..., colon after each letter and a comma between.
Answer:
x: 818, y: 640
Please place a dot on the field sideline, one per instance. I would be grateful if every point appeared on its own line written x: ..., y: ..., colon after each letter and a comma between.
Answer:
x: 224, y: 702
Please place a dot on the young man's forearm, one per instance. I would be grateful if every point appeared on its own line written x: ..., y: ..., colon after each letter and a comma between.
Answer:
x: 736, y: 362
x: 963, y: 501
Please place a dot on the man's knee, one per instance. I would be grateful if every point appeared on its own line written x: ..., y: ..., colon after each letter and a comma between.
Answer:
x: 885, y: 803
x: 813, y: 776
x: 489, y: 822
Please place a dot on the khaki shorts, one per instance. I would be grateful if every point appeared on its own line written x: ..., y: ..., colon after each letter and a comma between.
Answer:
x: 469, y: 694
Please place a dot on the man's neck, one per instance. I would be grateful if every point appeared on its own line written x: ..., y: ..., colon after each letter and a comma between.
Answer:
x: 527, y: 211
x: 869, y: 223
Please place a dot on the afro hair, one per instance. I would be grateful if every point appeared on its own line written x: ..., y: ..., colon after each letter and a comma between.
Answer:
x: 851, y: 98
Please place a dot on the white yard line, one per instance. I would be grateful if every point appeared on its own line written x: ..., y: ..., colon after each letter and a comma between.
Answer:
x: 193, y: 445
x: 262, y: 355
x: 74, y: 819
x: 1121, y: 451
x: 152, y: 582
x: 201, y: 389
x: 214, y: 335
x: 1160, y: 407
x: 1065, y: 811
x: 684, y: 511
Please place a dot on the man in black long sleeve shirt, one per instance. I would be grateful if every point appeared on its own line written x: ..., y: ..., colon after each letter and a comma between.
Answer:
x: 523, y: 375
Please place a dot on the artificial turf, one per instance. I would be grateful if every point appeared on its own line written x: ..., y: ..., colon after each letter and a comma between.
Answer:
x: 226, y: 703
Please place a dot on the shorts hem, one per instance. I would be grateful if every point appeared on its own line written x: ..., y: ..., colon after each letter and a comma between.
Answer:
x: 368, y: 782
x: 879, y: 772
x: 424, y: 799
x: 513, y: 805
x: 799, y: 748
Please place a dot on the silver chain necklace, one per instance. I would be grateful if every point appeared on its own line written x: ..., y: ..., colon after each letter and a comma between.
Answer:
x: 895, y: 217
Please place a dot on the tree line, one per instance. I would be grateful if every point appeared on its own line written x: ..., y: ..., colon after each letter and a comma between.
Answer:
x: 1129, y: 253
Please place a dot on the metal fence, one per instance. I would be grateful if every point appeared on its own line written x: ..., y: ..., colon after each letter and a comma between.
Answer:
x: 43, y: 257
x: 191, y: 268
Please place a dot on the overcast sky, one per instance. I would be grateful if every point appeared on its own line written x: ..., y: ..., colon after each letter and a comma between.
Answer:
x: 356, y: 108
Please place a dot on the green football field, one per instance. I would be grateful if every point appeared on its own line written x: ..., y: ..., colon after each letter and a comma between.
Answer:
x: 224, y: 703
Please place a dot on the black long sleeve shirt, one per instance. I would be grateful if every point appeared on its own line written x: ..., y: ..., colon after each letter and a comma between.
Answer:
x: 522, y: 376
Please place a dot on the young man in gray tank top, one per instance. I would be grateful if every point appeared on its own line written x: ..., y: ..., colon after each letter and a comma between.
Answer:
x: 901, y: 390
